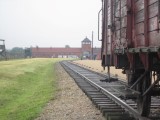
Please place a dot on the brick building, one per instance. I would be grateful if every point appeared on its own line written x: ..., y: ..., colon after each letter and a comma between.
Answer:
x: 84, y: 52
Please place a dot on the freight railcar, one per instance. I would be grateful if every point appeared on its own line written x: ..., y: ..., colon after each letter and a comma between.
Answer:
x: 131, y: 41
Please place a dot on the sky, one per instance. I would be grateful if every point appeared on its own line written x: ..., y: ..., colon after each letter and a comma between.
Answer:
x: 48, y: 23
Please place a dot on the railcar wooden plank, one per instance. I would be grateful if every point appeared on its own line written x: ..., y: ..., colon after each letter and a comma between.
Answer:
x: 139, y: 5
x: 151, y: 1
x: 154, y: 38
x: 117, y: 14
x: 139, y: 28
x: 117, y: 34
x: 117, y: 23
x: 153, y: 24
x: 123, y: 22
x: 123, y: 3
x: 123, y: 33
x: 140, y: 41
x: 153, y: 10
x: 139, y: 16
x: 124, y: 11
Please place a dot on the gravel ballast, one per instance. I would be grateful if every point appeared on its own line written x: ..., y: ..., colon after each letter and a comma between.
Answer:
x: 70, y: 102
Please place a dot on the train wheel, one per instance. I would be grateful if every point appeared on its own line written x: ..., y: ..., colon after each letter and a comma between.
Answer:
x: 143, y: 103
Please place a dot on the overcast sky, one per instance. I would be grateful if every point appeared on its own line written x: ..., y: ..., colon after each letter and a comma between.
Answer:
x: 48, y: 23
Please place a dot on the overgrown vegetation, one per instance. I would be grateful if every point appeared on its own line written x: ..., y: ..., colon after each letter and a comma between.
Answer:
x: 25, y: 87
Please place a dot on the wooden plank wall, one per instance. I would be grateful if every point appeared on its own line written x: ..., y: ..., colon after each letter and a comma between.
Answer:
x: 153, y: 24
x: 120, y: 21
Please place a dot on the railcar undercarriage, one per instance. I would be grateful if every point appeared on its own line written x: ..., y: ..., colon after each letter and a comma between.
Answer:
x: 145, y: 79
x: 130, y: 41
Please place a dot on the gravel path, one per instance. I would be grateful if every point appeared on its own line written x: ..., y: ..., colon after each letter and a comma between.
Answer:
x: 70, y: 102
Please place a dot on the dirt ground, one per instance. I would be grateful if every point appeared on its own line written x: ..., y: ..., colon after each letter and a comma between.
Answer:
x: 70, y: 103
x: 96, y: 66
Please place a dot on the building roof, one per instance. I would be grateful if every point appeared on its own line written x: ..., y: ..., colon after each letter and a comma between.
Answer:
x: 57, y: 50
x: 86, y: 40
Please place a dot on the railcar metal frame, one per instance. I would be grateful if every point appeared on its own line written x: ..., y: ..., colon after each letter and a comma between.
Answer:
x: 138, y: 62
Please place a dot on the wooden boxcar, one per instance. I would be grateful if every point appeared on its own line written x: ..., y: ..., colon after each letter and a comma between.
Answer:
x: 131, y: 41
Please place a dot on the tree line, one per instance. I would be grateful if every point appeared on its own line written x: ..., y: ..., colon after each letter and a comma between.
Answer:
x: 17, y: 53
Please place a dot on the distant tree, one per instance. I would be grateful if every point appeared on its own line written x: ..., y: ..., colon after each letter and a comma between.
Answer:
x: 67, y: 46
x: 27, y: 52
x: 15, y: 53
x: 17, y: 49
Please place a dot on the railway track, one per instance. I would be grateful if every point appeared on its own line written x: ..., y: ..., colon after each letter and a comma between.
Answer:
x: 114, y: 99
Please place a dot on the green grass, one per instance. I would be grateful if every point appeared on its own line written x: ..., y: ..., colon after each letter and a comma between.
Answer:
x: 25, y: 87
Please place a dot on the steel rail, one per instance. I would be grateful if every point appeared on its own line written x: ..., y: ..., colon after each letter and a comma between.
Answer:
x: 113, y: 97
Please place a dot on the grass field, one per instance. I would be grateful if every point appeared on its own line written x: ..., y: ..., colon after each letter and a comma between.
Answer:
x: 25, y: 87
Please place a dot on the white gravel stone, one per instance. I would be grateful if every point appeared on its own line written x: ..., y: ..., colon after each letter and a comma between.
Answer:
x: 70, y: 102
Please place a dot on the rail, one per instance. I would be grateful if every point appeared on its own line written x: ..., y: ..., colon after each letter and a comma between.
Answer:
x: 111, y: 96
